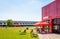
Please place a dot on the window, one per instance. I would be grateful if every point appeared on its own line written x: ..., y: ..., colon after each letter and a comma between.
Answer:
x: 57, y: 20
x: 48, y: 21
x: 46, y: 28
x: 0, y: 23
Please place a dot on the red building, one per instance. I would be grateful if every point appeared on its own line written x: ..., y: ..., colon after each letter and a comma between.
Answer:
x: 51, y: 10
x: 51, y: 15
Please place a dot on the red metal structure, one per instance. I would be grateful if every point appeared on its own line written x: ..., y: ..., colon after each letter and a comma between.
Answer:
x: 51, y: 15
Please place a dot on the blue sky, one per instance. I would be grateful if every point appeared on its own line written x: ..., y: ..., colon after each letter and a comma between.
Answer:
x: 23, y: 10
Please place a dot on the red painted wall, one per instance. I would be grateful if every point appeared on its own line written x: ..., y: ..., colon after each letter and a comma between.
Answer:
x: 52, y: 10
x: 58, y: 8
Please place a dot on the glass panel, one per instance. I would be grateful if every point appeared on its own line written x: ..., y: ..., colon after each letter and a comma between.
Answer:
x: 55, y: 27
x: 0, y: 23
x: 46, y: 29
x: 48, y: 21
x: 57, y: 20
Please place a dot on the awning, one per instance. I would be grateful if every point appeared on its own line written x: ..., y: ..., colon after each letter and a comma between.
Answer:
x: 42, y: 24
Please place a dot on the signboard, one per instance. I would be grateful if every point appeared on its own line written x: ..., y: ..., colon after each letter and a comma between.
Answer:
x: 45, y: 17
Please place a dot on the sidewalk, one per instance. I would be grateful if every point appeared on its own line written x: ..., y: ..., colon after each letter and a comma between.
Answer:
x: 49, y: 36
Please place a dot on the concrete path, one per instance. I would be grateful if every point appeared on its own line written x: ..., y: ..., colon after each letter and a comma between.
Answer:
x: 49, y: 36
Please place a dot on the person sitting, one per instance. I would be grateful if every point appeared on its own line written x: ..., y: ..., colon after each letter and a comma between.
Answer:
x: 33, y: 34
x: 31, y: 31
x: 27, y: 28
x: 24, y: 31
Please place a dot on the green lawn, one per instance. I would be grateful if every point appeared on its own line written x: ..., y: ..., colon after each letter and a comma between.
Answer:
x: 13, y: 33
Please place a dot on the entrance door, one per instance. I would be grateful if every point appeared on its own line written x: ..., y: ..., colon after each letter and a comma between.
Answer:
x: 56, y: 29
x: 59, y: 29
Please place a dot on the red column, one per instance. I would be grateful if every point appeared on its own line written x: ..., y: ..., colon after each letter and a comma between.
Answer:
x: 50, y: 25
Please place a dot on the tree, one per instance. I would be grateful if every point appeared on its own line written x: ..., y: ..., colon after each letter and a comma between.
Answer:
x: 9, y: 22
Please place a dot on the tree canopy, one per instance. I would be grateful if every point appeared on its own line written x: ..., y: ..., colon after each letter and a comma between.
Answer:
x: 9, y: 22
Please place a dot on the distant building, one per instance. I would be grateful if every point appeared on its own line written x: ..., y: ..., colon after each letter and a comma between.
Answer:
x: 19, y: 23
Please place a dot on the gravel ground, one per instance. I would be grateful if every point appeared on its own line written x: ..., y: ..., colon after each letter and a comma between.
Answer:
x: 49, y: 36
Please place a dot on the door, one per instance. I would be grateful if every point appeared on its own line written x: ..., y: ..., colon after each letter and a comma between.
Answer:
x: 56, y: 29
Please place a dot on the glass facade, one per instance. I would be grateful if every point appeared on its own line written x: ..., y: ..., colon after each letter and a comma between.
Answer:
x: 57, y: 21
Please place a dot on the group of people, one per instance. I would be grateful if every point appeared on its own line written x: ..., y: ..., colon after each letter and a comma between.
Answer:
x: 32, y: 32
x: 41, y: 30
x: 36, y: 30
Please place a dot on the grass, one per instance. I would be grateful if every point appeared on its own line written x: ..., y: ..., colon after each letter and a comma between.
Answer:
x: 13, y: 33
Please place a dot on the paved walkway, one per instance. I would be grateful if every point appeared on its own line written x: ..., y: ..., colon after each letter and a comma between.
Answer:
x: 49, y: 36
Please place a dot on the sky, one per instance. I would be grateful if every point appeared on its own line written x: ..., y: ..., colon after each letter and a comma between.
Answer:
x: 22, y: 10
